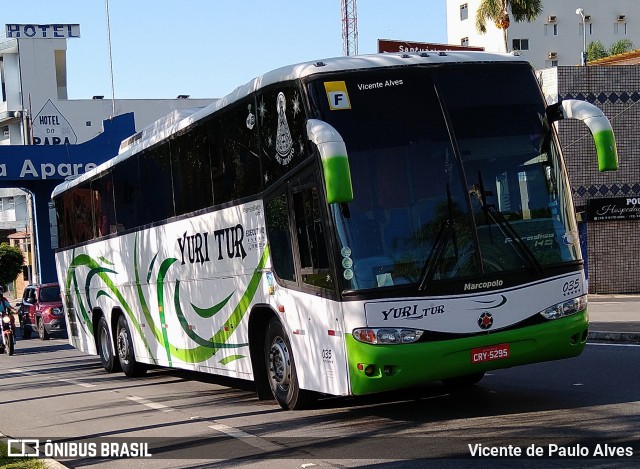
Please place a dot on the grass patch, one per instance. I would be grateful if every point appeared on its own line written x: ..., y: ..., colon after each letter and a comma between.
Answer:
x: 7, y: 462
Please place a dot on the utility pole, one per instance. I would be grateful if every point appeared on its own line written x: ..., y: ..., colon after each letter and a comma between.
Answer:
x: 349, y: 27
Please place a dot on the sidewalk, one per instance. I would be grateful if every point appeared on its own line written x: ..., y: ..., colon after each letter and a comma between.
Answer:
x: 614, y: 318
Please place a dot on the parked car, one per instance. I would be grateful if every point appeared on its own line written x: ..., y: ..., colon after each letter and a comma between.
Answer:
x: 41, y: 310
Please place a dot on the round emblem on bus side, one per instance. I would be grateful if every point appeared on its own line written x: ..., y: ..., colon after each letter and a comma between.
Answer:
x: 485, y: 321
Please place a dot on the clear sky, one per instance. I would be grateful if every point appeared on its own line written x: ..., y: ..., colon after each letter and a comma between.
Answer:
x: 206, y: 48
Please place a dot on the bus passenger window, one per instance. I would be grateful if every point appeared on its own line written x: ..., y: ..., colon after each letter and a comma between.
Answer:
x: 191, y: 169
x: 235, y: 164
x: 314, y: 261
x: 277, y: 213
x: 103, y: 209
x: 126, y: 182
x: 283, y: 132
x: 155, y: 185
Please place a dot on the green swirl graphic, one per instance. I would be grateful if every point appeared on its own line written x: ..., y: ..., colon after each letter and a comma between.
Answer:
x: 85, y: 260
x: 209, y: 312
x: 205, y: 348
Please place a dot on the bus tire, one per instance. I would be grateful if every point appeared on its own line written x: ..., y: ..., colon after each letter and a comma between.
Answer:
x: 281, y: 369
x: 463, y: 381
x: 126, y: 354
x: 104, y: 344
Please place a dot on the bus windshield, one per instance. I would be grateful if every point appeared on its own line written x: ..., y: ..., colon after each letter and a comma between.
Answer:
x: 455, y: 174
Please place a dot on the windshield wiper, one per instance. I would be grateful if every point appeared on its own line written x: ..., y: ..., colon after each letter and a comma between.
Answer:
x: 446, y: 231
x: 499, y: 219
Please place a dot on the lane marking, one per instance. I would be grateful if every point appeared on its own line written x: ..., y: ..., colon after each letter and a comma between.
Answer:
x: 76, y: 382
x: 24, y: 372
x: 150, y: 404
x: 613, y: 345
x: 245, y: 437
x: 248, y: 438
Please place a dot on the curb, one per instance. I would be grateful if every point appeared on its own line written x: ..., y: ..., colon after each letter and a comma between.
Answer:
x: 619, y: 337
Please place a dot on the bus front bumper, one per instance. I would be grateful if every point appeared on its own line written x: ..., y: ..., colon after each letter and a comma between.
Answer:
x: 377, y: 368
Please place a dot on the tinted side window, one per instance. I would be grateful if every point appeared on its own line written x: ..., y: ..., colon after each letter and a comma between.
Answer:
x: 279, y: 232
x: 314, y: 260
x: 75, y: 222
x: 283, y: 133
x: 235, y: 162
x: 156, y: 193
x: 190, y: 160
x: 103, y: 205
x: 126, y: 182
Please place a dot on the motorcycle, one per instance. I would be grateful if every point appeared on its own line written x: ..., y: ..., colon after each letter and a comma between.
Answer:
x: 8, y: 334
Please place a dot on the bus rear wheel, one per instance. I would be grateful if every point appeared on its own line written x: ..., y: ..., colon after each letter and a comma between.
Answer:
x: 126, y: 354
x: 281, y: 370
x: 105, y: 347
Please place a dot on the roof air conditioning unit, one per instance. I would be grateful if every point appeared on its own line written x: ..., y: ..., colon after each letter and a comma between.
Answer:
x: 552, y: 18
x: 553, y: 55
x: 620, y: 17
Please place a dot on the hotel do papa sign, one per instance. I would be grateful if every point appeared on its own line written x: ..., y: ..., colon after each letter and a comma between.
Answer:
x: 615, y: 208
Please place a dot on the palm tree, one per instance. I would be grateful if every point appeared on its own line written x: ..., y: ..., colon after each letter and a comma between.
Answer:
x: 498, y: 12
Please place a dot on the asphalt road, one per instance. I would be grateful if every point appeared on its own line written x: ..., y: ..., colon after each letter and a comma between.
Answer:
x: 51, y: 391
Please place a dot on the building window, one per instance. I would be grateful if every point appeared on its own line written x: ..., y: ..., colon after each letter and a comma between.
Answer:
x: 581, y: 29
x: 464, y: 41
x: 464, y: 12
x: 620, y: 29
x: 520, y: 44
x: 554, y: 63
x: 550, y: 29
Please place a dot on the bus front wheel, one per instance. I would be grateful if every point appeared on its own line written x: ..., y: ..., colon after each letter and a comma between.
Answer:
x: 126, y: 354
x: 281, y: 370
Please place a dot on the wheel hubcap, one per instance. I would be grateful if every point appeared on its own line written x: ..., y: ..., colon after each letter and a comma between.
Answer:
x: 123, y: 346
x: 280, y: 364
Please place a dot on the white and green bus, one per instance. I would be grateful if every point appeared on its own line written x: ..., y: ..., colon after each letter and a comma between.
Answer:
x: 342, y: 227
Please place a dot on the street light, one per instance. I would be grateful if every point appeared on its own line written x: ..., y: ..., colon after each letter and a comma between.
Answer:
x: 583, y: 58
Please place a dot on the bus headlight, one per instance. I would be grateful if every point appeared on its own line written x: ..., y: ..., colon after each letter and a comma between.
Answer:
x: 386, y: 335
x: 566, y: 308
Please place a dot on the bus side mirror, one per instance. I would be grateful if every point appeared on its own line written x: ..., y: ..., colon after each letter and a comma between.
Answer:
x: 598, y: 124
x: 335, y: 163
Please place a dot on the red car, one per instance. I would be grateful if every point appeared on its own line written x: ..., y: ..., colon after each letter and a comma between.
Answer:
x: 41, y: 310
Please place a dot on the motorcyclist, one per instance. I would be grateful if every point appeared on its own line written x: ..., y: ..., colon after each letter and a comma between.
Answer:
x: 7, y: 310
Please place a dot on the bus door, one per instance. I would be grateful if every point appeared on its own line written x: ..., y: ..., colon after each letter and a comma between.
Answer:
x: 312, y: 315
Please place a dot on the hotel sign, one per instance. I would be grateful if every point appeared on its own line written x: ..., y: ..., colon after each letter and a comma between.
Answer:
x: 390, y: 45
x: 42, y: 31
x: 618, y: 208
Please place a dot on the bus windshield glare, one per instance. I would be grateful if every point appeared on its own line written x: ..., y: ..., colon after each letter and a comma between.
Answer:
x: 455, y: 174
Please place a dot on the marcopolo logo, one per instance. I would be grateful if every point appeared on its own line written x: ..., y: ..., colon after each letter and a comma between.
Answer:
x: 485, y: 320
x: 482, y: 285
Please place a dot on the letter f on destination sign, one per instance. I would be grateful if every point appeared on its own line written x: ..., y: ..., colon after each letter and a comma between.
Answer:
x: 337, y: 95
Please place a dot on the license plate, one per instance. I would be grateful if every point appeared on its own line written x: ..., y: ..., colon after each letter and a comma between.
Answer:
x: 490, y: 353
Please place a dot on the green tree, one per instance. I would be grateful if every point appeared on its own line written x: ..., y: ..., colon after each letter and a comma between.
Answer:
x: 595, y: 51
x: 498, y: 12
x: 11, y: 262
x: 620, y: 47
